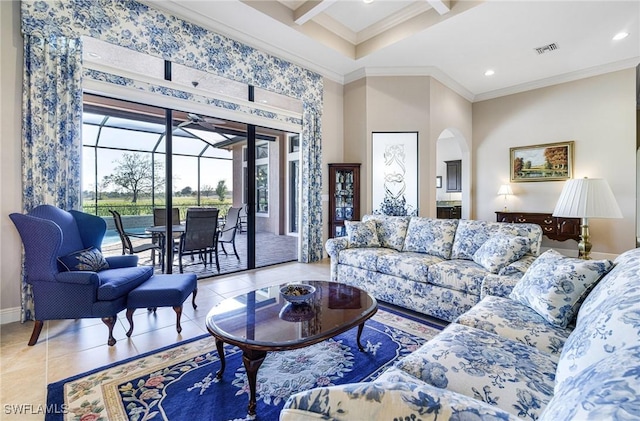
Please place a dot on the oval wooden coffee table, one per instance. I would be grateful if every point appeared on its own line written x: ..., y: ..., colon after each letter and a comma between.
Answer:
x: 261, y: 321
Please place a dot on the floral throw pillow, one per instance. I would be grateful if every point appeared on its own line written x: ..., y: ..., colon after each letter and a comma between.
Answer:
x: 554, y: 285
x: 90, y: 259
x: 500, y: 251
x: 362, y: 234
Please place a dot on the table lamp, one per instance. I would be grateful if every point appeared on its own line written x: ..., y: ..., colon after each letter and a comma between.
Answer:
x: 586, y: 198
x: 505, y: 190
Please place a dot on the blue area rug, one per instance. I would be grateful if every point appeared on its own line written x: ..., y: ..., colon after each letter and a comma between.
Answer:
x: 179, y: 382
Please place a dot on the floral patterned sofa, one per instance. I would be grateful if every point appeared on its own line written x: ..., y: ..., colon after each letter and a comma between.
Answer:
x: 438, y: 267
x: 523, y: 356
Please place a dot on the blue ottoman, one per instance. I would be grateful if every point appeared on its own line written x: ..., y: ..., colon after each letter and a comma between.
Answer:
x: 163, y: 291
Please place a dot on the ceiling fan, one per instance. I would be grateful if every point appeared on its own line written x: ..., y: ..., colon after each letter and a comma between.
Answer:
x: 209, y: 123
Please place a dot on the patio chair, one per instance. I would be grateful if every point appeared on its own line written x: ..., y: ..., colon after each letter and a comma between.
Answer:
x: 227, y: 234
x: 159, y: 219
x: 127, y: 245
x: 159, y: 216
x: 242, y: 219
x: 200, y: 236
x: 70, y: 278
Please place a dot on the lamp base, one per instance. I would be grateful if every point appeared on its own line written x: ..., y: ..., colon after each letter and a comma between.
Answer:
x: 584, y: 246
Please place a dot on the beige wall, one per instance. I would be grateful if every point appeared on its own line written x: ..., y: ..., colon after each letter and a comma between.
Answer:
x: 404, y: 104
x: 332, y: 141
x: 450, y: 111
x: 10, y: 179
x: 598, y: 113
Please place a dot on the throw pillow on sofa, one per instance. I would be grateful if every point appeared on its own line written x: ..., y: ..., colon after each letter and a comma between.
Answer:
x: 554, y: 285
x: 362, y: 234
x: 391, y: 229
x: 90, y: 259
x: 500, y: 251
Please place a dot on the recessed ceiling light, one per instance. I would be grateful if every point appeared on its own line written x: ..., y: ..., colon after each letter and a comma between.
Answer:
x: 367, y: 1
x: 93, y: 55
x: 620, y: 35
x: 489, y: 73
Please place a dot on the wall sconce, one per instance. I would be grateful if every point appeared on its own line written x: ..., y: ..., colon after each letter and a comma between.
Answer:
x: 586, y: 198
x: 505, y: 190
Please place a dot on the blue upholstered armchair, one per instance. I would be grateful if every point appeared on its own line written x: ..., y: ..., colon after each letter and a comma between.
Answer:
x: 69, y: 276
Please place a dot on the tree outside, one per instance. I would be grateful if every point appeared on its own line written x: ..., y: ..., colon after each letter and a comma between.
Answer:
x: 134, y: 175
x: 222, y: 190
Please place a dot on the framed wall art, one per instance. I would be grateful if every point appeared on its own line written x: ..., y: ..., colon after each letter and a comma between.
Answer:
x: 547, y: 162
x: 395, y: 173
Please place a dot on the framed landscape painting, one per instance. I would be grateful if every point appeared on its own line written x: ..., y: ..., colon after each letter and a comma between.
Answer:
x: 548, y: 162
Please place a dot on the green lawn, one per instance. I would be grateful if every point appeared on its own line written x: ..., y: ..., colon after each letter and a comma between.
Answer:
x: 145, y: 207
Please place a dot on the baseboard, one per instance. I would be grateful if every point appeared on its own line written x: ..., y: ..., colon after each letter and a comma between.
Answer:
x: 9, y: 315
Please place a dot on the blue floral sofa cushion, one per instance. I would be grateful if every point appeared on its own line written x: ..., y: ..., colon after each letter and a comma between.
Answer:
x: 500, y: 251
x: 387, y: 401
x: 555, y: 284
x: 362, y: 234
x: 459, y: 275
x: 470, y: 235
x: 516, y: 321
x: 607, y: 390
x: 364, y: 258
x: 392, y: 230
x: 431, y: 236
x: 499, y: 285
x: 409, y: 265
x: 608, y: 321
x: 499, y: 371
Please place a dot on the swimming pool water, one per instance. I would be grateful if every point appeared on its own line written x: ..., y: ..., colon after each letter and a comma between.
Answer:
x: 112, y: 237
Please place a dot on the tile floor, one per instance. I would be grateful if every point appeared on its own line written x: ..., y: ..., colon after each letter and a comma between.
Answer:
x: 69, y: 347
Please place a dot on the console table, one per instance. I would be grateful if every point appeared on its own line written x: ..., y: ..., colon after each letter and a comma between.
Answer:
x: 555, y: 228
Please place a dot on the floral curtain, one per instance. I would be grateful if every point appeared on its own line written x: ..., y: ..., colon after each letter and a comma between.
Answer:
x: 145, y: 29
x: 51, y: 128
x: 311, y: 227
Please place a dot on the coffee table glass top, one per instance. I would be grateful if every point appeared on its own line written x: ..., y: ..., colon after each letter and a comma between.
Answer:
x: 263, y: 318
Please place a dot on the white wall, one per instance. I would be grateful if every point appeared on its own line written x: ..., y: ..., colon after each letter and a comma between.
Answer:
x: 598, y: 113
x: 10, y: 178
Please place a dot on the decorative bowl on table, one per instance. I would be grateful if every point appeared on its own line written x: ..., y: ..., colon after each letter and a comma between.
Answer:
x: 299, y: 312
x: 297, y: 293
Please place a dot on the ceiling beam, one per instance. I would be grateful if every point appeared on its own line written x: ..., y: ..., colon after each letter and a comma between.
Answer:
x: 440, y: 6
x: 309, y: 9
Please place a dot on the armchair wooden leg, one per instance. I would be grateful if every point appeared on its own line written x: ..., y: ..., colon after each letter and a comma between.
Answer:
x: 193, y: 298
x: 130, y: 312
x: 37, y: 328
x: 178, y: 310
x: 110, y: 322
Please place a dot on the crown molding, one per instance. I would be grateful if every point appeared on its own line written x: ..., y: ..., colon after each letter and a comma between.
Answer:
x: 431, y: 71
x: 563, y: 78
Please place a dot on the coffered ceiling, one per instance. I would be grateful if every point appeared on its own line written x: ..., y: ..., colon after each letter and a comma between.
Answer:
x: 453, y: 41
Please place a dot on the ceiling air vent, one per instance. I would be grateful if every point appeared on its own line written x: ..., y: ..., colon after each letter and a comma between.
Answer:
x: 547, y: 48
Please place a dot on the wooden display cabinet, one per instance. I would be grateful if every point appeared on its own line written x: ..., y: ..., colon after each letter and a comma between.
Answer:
x: 344, y: 197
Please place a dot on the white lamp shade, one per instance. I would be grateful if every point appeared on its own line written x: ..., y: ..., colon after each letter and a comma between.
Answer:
x: 587, y: 198
x: 505, y: 189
